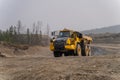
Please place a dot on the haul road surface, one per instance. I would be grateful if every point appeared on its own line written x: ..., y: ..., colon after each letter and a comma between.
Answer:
x: 41, y: 65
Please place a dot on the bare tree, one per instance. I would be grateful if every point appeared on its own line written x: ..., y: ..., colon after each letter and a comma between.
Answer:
x: 40, y: 24
x: 11, y: 31
x: 19, y: 26
x: 28, y: 36
x: 33, y: 34
x: 48, y: 31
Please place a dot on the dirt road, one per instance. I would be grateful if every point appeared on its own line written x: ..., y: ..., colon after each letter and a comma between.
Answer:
x: 103, y: 65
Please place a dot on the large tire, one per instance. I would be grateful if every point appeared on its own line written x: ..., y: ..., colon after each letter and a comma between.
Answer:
x: 78, y: 50
x: 66, y: 54
x: 83, y: 50
x: 86, y: 50
x: 69, y: 53
x: 57, y: 54
x: 89, y: 51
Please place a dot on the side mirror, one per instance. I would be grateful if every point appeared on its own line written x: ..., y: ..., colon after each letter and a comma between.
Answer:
x: 51, y: 40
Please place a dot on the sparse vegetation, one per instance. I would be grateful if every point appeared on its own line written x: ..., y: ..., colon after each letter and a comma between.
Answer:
x: 19, y: 35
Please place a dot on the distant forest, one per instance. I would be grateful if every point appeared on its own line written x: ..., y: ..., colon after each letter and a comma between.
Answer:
x: 19, y: 35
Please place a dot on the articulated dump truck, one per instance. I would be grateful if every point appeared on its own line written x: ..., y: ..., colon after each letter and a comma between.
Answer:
x: 69, y: 42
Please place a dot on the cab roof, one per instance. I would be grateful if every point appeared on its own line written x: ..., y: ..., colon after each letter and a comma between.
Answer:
x: 67, y: 30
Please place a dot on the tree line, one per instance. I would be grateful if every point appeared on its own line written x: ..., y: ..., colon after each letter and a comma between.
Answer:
x: 21, y: 35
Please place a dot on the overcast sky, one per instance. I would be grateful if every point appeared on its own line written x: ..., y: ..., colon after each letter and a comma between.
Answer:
x: 59, y: 14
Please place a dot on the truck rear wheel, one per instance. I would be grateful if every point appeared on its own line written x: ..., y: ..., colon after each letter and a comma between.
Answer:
x: 78, y: 50
x: 57, y: 54
x: 83, y: 50
x: 87, y: 50
x: 89, y: 54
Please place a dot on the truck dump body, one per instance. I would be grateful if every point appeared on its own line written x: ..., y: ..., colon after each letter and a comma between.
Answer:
x: 87, y: 38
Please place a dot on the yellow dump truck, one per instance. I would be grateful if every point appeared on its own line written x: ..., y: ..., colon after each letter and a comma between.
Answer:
x: 69, y: 42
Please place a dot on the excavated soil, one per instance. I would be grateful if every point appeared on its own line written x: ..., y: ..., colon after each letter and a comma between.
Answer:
x: 38, y: 63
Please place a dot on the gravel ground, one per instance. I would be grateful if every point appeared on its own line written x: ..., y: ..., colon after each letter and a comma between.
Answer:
x: 103, y: 65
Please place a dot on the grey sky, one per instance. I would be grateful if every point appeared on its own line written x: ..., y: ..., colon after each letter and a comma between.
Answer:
x: 59, y: 14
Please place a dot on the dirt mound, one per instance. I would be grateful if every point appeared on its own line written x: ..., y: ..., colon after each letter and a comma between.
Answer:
x: 11, y: 50
x: 16, y: 46
x: 1, y: 55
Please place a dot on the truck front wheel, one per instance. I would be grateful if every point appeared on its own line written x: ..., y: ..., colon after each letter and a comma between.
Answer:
x: 57, y: 54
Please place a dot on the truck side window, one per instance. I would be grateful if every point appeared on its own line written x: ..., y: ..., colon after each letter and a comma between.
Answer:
x: 72, y: 36
x: 80, y: 35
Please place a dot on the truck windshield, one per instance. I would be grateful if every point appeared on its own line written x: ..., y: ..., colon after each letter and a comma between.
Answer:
x: 64, y: 34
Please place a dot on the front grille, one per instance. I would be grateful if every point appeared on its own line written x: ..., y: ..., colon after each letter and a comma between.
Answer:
x: 59, y: 45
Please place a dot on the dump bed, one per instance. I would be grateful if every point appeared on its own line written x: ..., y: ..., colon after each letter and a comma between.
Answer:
x: 87, y: 38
